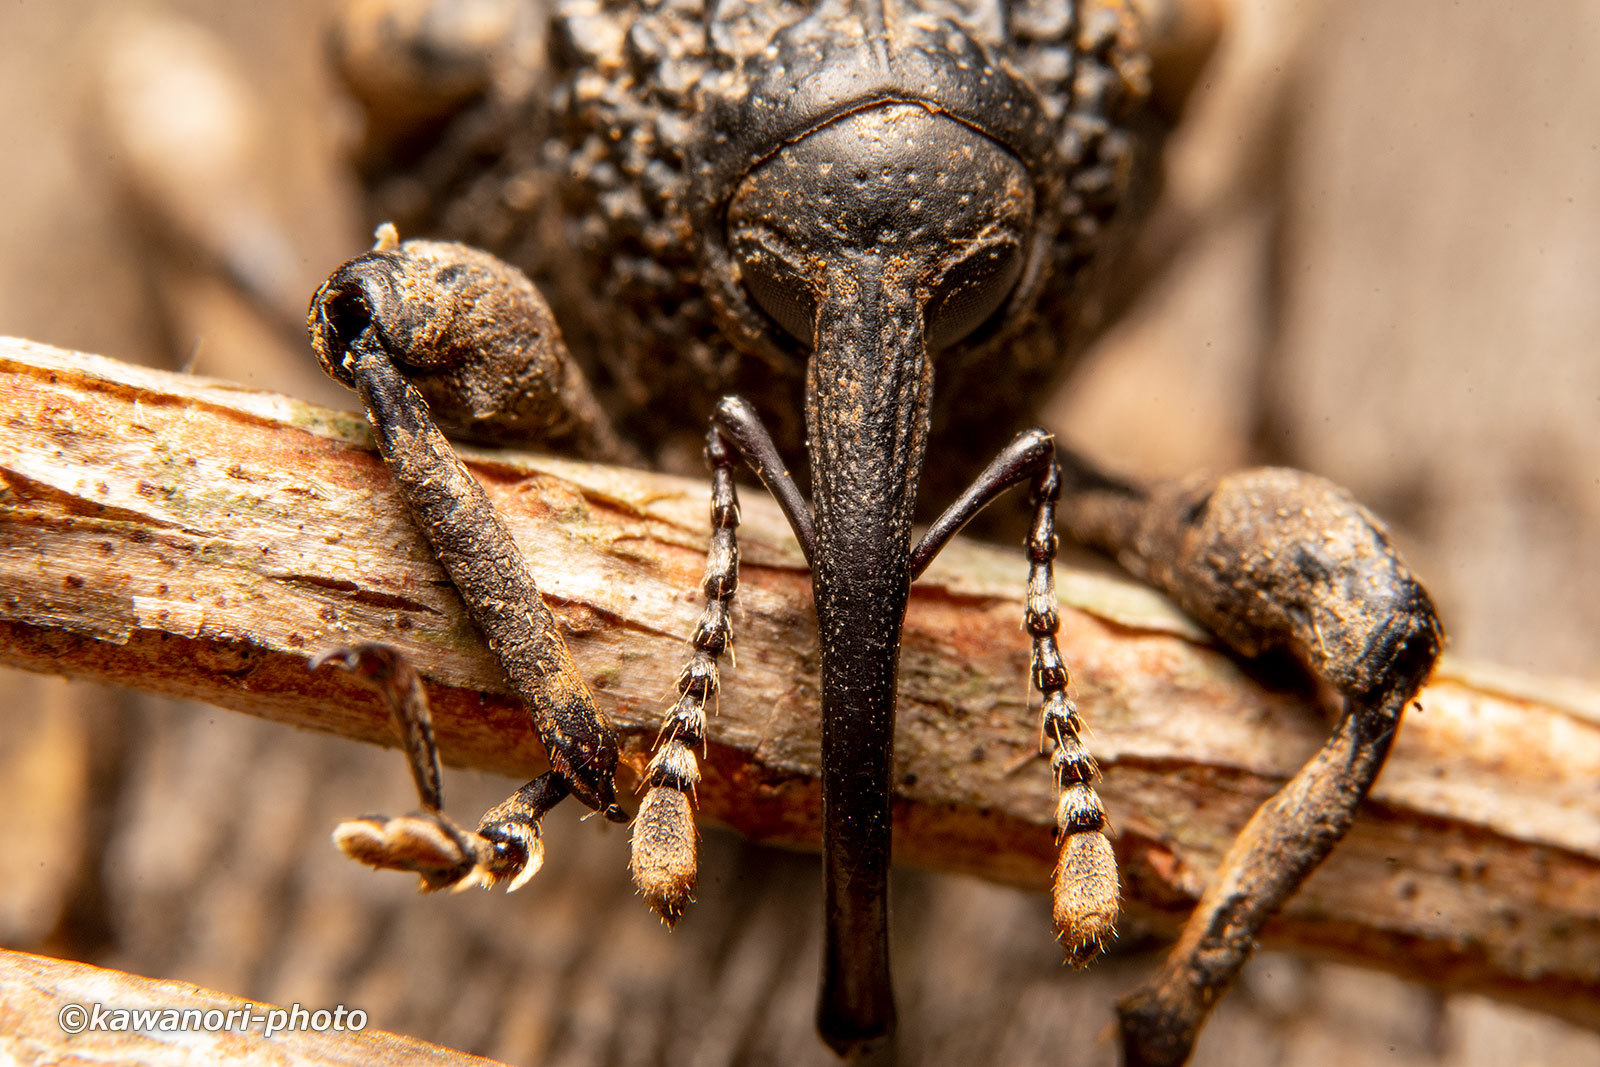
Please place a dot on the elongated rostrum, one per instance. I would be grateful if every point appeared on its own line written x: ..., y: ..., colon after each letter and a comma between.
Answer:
x: 861, y: 232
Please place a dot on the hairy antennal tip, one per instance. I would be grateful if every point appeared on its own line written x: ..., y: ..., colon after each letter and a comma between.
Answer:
x: 663, y: 861
x: 1085, y: 897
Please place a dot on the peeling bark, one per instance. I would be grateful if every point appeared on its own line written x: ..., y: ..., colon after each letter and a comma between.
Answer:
x: 203, y: 540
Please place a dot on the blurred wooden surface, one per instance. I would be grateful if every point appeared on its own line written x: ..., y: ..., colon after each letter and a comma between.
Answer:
x: 59, y: 1011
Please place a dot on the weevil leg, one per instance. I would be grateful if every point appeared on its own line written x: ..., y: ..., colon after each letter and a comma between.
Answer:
x: 471, y: 336
x: 431, y: 309
x: 1267, y: 559
x: 400, y: 688
x: 506, y: 846
x: 663, y: 860
x: 1084, y: 886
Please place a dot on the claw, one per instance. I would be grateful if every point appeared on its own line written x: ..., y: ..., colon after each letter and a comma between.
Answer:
x: 428, y: 844
x: 441, y: 853
x: 517, y: 839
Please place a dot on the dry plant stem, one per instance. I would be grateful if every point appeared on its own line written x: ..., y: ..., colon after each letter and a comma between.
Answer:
x: 37, y: 990
x: 203, y: 540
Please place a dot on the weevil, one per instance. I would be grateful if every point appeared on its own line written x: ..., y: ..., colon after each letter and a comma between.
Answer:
x: 863, y: 232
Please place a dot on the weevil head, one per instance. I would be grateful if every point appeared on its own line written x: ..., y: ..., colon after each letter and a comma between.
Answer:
x: 865, y: 194
x: 945, y: 210
x: 876, y: 239
x: 913, y: 141
x: 787, y: 98
x: 874, y: 186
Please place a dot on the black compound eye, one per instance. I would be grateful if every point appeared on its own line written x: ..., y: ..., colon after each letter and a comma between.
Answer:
x: 971, y: 290
x: 775, y: 278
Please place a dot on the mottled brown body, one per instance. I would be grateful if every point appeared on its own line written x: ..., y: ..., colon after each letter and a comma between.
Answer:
x: 572, y: 160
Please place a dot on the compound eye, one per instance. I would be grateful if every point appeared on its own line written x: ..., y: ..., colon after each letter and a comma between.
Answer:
x: 971, y: 289
x: 773, y: 276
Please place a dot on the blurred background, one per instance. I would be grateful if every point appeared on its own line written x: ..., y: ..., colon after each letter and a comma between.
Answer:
x: 1376, y: 257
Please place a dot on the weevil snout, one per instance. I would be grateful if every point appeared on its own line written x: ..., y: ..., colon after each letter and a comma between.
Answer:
x: 941, y: 205
x: 875, y: 239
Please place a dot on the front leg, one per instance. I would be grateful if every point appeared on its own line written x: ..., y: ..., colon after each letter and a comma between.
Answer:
x: 1267, y: 559
x: 506, y: 846
x: 474, y: 334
